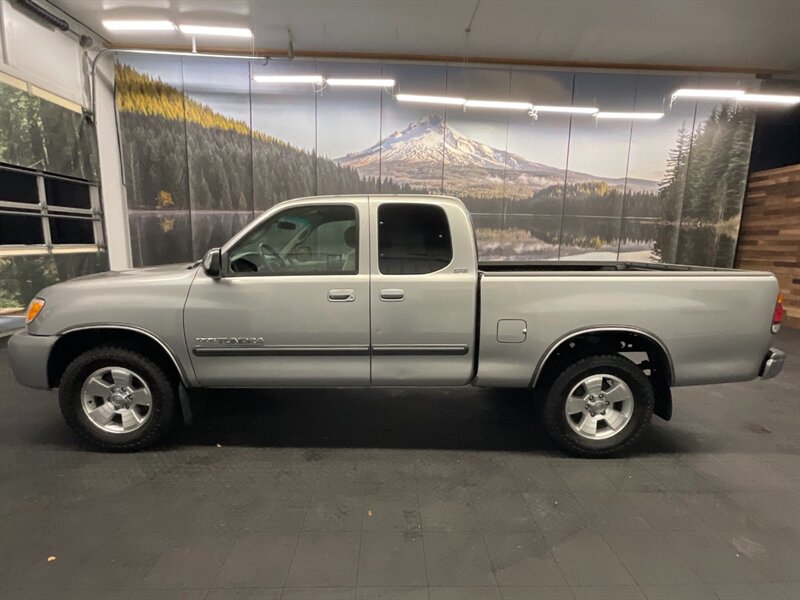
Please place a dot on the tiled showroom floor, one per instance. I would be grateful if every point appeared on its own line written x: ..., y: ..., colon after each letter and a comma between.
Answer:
x: 450, y: 494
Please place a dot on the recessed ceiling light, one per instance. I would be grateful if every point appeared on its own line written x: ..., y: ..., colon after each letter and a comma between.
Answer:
x: 498, y: 104
x: 431, y: 99
x: 242, y: 32
x: 769, y: 98
x: 578, y: 110
x: 651, y: 116
x: 317, y: 79
x: 118, y: 25
x: 706, y: 93
x: 360, y: 82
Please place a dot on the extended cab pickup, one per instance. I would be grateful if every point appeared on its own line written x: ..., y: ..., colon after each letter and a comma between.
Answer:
x: 387, y: 291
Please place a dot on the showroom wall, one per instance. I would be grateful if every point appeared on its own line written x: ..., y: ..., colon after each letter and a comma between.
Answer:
x: 205, y: 148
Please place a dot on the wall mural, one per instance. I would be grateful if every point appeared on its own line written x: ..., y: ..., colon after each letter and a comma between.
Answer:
x: 205, y: 148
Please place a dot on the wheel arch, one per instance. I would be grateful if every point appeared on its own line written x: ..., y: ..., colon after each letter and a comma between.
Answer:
x: 601, y: 340
x: 73, y: 341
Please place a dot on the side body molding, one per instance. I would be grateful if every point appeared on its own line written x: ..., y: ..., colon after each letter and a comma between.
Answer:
x: 603, y: 329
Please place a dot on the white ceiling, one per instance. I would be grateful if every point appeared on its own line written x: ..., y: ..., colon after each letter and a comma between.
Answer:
x: 750, y: 34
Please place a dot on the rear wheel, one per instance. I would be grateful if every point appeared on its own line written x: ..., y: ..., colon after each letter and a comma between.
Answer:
x: 599, y: 406
x: 117, y: 399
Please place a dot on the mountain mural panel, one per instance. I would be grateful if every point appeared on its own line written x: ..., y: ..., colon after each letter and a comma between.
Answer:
x: 529, y: 197
x: 417, y: 154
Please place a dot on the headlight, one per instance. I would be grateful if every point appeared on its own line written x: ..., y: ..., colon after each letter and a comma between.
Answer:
x: 34, y: 308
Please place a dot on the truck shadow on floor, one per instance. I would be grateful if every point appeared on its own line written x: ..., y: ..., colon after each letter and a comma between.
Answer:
x: 411, y: 418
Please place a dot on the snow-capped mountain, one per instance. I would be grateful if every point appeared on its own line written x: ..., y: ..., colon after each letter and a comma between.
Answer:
x: 422, y: 141
x: 414, y: 156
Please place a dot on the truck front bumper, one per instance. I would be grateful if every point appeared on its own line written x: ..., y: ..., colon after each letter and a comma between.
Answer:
x: 28, y: 355
x: 773, y: 363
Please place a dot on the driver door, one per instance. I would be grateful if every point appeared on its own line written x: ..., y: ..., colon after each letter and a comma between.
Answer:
x: 292, y: 305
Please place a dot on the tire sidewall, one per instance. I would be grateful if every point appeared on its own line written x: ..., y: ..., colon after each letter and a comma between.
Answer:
x: 624, y: 369
x: 161, y: 391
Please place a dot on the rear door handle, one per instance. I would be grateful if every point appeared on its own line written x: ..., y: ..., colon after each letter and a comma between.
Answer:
x: 341, y: 296
x: 393, y: 295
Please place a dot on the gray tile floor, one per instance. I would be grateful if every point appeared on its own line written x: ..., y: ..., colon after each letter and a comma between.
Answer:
x: 430, y: 494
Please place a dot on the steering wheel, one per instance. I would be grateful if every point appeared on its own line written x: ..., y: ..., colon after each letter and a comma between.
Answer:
x: 270, y: 257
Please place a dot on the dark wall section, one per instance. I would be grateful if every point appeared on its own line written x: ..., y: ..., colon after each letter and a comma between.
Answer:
x: 776, y: 142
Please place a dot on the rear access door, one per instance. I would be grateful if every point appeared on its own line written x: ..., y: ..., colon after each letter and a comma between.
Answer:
x: 423, y: 292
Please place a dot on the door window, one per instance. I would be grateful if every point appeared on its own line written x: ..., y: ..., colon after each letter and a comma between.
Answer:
x: 413, y: 239
x: 304, y: 240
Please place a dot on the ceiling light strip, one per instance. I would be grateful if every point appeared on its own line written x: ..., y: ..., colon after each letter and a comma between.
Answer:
x: 431, y: 99
x: 578, y: 110
x: 770, y: 98
x: 498, y: 104
x: 188, y: 53
x: 706, y: 93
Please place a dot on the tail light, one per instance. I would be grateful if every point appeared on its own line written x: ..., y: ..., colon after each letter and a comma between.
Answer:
x: 777, y: 315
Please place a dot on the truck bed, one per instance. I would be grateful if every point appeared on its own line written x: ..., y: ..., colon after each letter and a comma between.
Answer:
x: 714, y: 323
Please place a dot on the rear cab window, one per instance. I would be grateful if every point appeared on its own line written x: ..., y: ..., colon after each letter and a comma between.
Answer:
x: 413, y: 239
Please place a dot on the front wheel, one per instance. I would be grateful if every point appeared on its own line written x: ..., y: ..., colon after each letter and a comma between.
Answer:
x: 598, y: 406
x: 117, y: 399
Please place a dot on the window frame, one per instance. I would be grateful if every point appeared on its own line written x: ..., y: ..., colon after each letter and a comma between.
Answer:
x: 46, y: 211
x: 226, y: 270
x: 441, y: 209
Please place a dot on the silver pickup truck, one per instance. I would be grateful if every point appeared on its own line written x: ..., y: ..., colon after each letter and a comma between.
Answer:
x: 381, y: 290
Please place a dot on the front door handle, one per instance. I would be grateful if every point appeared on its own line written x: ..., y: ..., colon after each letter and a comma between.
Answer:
x: 393, y: 295
x: 341, y: 295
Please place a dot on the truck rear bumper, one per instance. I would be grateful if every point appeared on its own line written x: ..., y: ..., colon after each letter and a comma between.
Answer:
x: 28, y: 355
x: 773, y: 363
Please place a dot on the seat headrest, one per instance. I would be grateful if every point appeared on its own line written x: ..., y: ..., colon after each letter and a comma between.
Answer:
x: 351, y: 236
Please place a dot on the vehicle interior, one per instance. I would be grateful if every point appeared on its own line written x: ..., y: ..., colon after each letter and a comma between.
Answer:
x: 301, y: 240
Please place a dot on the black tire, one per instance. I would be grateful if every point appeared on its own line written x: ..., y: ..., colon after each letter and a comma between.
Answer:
x: 556, y: 420
x: 163, y: 391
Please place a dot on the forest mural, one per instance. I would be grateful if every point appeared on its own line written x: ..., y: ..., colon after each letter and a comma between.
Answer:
x: 205, y: 148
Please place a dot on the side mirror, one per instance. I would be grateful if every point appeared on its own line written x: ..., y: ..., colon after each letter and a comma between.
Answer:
x: 212, y: 263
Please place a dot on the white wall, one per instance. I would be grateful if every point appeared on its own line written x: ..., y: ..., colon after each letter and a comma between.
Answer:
x: 54, y: 61
x: 114, y: 200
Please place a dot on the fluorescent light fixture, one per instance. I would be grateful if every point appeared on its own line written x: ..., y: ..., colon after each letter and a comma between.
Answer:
x: 578, y: 110
x: 498, y: 104
x: 701, y: 93
x: 316, y: 79
x: 652, y: 116
x: 769, y: 98
x: 360, y: 82
x: 431, y: 99
x: 115, y: 25
x: 242, y: 32
x: 190, y: 54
